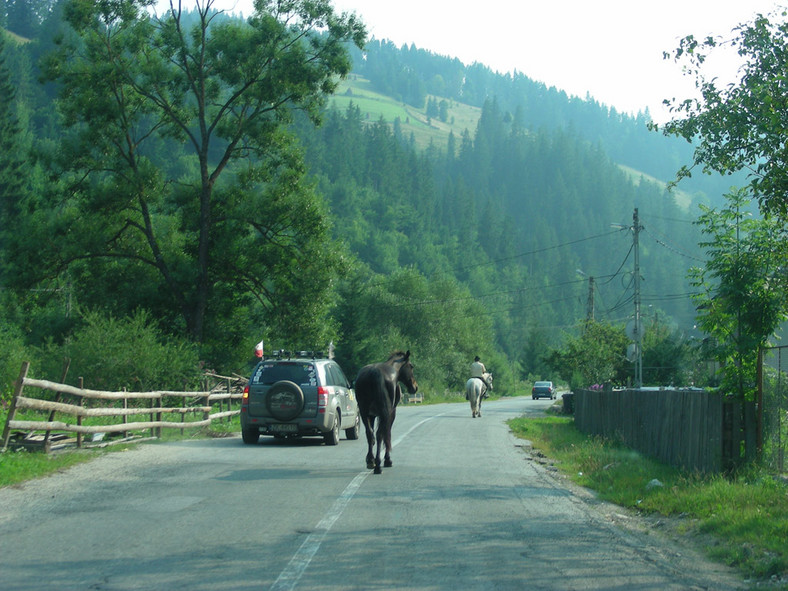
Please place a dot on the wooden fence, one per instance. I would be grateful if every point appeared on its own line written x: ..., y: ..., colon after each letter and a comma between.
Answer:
x: 690, y: 429
x: 113, y: 404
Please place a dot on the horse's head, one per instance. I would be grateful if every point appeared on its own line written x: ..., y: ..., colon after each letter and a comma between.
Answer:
x: 488, y: 376
x: 405, y: 374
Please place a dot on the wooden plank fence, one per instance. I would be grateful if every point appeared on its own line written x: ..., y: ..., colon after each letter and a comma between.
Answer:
x: 690, y: 429
x: 108, y: 404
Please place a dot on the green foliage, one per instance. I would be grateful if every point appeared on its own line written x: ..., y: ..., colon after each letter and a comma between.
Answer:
x: 481, y: 212
x: 436, y: 320
x: 532, y: 358
x: 202, y: 209
x: 127, y: 353
x: 742, y: 288
x: 597, y: 356
x: 740, y: 125
x: 14, y: 171
x: 668, y: 357
x: 12, y: 353
x: 179, y: 174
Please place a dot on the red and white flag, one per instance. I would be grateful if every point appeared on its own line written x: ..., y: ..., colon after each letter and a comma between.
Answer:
x: 258, y: 350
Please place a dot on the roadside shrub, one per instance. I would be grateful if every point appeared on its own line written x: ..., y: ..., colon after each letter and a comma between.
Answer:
x: 12, y: 354
x: 112, y: 354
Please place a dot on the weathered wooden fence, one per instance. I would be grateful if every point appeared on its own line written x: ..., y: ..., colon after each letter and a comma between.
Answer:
x: 690, y: 429
x: 773, y: 399
x: 115, y: 404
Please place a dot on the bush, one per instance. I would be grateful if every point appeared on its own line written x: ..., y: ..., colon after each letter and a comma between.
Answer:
x: 112, y: 354
x: 12, y: 354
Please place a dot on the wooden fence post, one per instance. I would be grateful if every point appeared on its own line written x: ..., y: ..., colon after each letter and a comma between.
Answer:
x: 158, y: 416
x: 17, y: 393
x: 152, y: 416
x: 125, y: 434
x: 183, y: 414
x: 229, y: 400
x: 759, y: 408
x: 79, y: 417
x: 66, y: 365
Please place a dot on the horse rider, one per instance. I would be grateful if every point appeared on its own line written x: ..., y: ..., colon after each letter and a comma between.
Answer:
x: 478, y: 370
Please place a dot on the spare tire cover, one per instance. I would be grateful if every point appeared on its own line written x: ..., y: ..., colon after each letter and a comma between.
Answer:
x: 285, y: 400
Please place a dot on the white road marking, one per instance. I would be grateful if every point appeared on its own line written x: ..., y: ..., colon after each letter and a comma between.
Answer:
x: 292, y: 573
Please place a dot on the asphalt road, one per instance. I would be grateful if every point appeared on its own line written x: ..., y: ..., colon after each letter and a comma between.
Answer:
x: 464, y: 507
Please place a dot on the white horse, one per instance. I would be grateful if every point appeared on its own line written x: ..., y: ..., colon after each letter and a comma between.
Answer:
x: 475, y: 389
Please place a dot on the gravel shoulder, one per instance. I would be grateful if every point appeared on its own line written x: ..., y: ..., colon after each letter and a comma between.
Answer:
x: 672, y: 542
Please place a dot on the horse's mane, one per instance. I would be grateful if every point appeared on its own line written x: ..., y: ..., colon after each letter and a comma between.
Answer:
x: 396, y: 355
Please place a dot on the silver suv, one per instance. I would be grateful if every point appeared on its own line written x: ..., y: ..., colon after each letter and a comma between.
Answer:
x: 299, y: 396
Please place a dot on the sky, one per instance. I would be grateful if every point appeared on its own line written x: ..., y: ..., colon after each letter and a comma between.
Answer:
x: 611, y: 50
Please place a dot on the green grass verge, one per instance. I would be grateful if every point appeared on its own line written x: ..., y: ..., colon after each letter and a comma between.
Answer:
x: 20, y: 466
x: 746, y: 515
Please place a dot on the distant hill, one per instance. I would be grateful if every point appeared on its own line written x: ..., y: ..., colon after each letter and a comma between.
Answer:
x: 413, y: 121
x: 392, y: 82
x: 425, y: 131
x: 13, y: 36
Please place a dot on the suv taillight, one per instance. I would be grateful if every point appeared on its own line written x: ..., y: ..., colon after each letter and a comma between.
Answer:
x: 245, y: 397
x: 322, y: 398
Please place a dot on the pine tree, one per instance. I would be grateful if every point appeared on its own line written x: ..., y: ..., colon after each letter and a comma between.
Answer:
x: 12, y: 177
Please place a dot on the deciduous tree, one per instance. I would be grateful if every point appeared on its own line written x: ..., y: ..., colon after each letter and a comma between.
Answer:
x: 742, y: 287
x: 740, y: 125
x: 230, y: 212
x: 595, y: 357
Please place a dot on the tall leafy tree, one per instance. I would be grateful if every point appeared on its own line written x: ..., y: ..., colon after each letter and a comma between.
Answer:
x: 596, y: 356
x: 12, y: 163
x: 739, y: 126
x: 742, y: 287
x: 229, y: 211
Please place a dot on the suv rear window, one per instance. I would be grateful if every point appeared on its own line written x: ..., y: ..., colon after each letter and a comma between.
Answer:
x: 303, y: 374
x: 335, y: 376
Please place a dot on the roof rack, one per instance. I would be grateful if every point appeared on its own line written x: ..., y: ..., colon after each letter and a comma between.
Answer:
x: 285, y: 354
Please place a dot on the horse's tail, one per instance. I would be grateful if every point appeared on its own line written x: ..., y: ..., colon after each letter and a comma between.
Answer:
x: 472, y: 386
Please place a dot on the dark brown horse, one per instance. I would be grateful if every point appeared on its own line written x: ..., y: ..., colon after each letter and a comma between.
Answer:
x: 378, y: 394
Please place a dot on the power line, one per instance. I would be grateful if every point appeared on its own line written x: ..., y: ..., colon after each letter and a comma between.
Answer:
x: 456, y: 270
x: 663, y: 242
x: 489, y: 295
x: 622, y: 301
x: 537, y: 251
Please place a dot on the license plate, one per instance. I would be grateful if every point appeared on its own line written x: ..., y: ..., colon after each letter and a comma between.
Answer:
x: 284, y: 428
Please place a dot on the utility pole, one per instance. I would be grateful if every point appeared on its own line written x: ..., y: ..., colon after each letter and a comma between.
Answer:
x: 636, y: 227
x: 590, y: 300
x: 635, y: 327
x: 590, y: 303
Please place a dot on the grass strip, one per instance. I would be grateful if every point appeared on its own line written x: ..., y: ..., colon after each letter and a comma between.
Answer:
x: 745, y: 514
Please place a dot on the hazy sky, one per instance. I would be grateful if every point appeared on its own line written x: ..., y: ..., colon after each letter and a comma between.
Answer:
x: 610, y: 49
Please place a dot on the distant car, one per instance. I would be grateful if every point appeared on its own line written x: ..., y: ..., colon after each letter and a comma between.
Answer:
x: 297, y: 397
x: 543, y: 390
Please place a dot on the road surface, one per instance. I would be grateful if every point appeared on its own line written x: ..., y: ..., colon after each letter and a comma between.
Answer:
x: 463, y: 508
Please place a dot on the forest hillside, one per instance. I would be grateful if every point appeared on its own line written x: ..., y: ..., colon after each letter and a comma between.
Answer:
x: 443, y: 207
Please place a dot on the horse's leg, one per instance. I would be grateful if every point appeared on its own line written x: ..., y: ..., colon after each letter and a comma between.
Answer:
x: 479, y: 407
x: 387, y: 442
x: 387, y: 439
x: 379, y: 437
x: 369, y: 427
